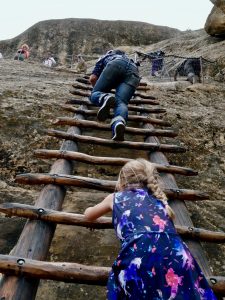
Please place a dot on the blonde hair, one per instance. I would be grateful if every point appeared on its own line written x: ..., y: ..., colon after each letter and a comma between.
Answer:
x: 142, y: 173
x: 25, y: 46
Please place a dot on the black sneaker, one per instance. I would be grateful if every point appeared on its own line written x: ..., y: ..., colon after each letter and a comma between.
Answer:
x: 118, y: 130
x: 103, y: 113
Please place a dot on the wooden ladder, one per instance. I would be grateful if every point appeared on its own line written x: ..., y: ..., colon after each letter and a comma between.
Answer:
x: 26, y: 264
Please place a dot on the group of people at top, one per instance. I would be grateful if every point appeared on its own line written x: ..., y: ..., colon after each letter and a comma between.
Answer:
x: 23, y: 53
x: 49, y: 61
x: 190, y: 67
x: 153, y: 262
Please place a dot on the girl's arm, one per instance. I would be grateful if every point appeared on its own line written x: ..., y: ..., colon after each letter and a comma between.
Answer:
x: 94, y: 212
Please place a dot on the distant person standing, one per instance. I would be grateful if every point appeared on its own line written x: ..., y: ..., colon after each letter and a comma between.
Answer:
x: 114, y: 70
x: 22, y: 53
x: 157, y: 62
x: 1, y: 56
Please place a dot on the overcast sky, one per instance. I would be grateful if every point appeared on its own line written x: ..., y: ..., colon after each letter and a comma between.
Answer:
x: 17, y: 16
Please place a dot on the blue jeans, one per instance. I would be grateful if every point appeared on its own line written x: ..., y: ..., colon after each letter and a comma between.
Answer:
x: 121, y: 75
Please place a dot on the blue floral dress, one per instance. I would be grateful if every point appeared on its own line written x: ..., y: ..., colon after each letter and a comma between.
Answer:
x: 154, y: 263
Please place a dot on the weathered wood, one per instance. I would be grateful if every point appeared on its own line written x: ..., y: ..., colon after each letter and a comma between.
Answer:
x: 32, y: 212
x: 130, y: 106
x: 86, y: 81
x: 59, y: 179
x: 73, y: 272
x: 182, y: 214
x: 133, y: 118
x: 48, y: 215
x: 201, y: 234
x: 99, y: 184
x: 217, y: 283
x: 80, y: 93
x: 103, y: 126
x: 132, y: 101
x: 88, y: 94
x: 83, y: 80
x: 101, y: 160
x: 87, y: 86
x: 36, y: 237
x: 79, y: 85
x: 141, y: 95
x: 157, y: 110
x: 66, y: 272
x: 115, y: 144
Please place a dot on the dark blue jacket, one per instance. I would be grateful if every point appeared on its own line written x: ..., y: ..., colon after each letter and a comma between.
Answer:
x: 109, y: 56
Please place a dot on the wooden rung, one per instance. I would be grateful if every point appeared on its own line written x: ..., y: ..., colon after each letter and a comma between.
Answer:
x: 88, y: 93
x: 58, y: 217
x: 59, y: 271
x: 157, y: 110
x: 80, y: 93
x: 79, y: 85
x: 134, y: 118
x: 82, y: 80
x: 116, y: 161
x: 86, y: 81
x: 116, y: 144
x: 87, y: 86
x: 99, y: 184
x: 132, y: 101
x: 131, y: 107
x: 141, y: 95
x: 73, y: 272
x: 49, y: 215
x: 103, y: 126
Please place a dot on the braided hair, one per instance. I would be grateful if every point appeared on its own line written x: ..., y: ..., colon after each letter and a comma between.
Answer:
x: 142, y: 173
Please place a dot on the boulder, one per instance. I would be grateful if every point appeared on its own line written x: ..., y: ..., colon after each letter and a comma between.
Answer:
x: 215, y: 23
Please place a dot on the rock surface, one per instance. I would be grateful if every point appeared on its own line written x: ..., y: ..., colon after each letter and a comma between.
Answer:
x: 215, y: 23
x: 30, y: 96
x: 73, y: 36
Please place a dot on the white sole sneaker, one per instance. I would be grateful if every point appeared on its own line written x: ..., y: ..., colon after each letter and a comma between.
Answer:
x: 119, y: 130
x: 104, y: 110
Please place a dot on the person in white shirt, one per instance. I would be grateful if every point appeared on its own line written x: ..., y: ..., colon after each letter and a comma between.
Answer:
x: 49, y: 61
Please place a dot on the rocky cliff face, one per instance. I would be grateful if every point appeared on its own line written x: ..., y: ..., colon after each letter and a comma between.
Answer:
x: 30, y: 96
x: 88, y: 36
x: 215, y: 23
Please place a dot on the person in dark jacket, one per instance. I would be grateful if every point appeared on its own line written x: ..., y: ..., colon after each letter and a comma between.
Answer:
x: 114, y: 70
x: 157, y: 59
x: 191, y: 68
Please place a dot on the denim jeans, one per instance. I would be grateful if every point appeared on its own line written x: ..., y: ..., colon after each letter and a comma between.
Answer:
x: 121, y: 75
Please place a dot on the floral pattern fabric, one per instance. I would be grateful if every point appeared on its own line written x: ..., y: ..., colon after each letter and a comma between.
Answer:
x: 154, y: 263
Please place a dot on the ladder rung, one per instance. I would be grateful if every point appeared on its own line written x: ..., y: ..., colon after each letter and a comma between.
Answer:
x: 72, y: 272
x: 101, y: 160
x: 116, y: 144
x: 103, y: 126
x: 132, y: 101
x: 66, y: 218
x: 99, y: 184
x: 134, y: 118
